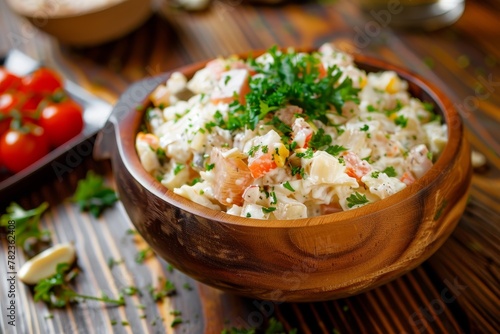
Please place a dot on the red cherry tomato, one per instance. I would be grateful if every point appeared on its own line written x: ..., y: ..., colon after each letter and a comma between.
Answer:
x: 8, y: 80
x: 4, y: 125
x: 8, y: 101
x: 61, y: 121
x: 42, y: 81
x: 19, y: 148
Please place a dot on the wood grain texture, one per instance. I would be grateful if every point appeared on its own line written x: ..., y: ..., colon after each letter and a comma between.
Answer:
x: 465, y: 269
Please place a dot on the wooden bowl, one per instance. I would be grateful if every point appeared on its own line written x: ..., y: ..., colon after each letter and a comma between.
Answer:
x: 313, y: 259
x: 86, y: 26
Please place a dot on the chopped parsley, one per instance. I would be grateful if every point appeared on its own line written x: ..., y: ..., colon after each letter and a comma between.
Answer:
x: 390, y: 171
x: 307, y: 154
x: 401, y: 121
x: 209, y: 167
x: 252, y: 150
x: 27, y: 223
x: 319, y: 140
x: 371, y: 108
x: 398, y: 107
x: 375, y: 174
x: 112, y: 262
x: 356, y: 199
x: 268, y: 210
x: 196, y: 180
x: 365, y: 128
x: 92, y: 195
x: 291, y: 79
x: 428, y: 106
x: 161, y: 155
x: 168, y: 289
x: 176, y: 321
x: 297, y: 170
x: 288, y: 186
x: 143, y: 254
x: 335, y: 150
x: 130, y: 290
x: 178, y: 168
x: 274, y: 199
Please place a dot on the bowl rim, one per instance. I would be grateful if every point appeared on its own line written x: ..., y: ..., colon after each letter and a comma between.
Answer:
x: 127, y: 127
x: 42, y: 14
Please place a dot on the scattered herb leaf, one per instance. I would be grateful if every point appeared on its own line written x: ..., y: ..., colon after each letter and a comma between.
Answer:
x: 288, y: 186
x: 390, y: 171
x: 356, y: 199
x: 27, y: 222
x: 143, y: 254
x: 168, y: 289
x: 56, y: 292
x: 92, y: 195
x: 176, y: 321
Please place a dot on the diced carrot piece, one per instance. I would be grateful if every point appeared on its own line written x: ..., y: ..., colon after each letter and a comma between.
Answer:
x: 407, y: 178
x: 262, y: 165
x: 355, y: 167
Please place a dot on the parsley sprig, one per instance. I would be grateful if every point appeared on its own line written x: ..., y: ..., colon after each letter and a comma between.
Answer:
x: 294, y: 79
x: 56, y: 292
x: 92, y: 195
x: 322, y: 141
x: 356, y: 199
x: 27, y: 222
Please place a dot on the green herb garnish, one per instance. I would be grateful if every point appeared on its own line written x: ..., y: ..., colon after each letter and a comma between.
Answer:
x: 288, y: 186
x: 320, y: 140
x: 402, y: 121
x: 143, y: 254
x: 92, y: 195
x: 268, y: 209
x: 27, y: 223
x: 307, y: 154
x: 335, y: 150
x: 292, y: 79
x: 161, y: 155
x: 56, y: 292
x: 168, y: 289
x: 178, y: 168
x: 390, y: 171
x: 356, y: 199
x: 176, y: 321
x: 130, y: 290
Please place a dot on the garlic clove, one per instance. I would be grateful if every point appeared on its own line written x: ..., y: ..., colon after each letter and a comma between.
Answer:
x: 478, y: 159
x: 44, y: 264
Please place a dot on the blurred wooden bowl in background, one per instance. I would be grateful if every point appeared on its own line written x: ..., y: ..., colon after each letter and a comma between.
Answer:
x: 84, y: 23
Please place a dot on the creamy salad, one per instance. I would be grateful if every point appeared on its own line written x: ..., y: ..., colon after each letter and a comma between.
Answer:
x: 288, y: 135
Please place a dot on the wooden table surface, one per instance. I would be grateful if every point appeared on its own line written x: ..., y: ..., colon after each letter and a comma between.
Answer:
x: 456, y: 291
